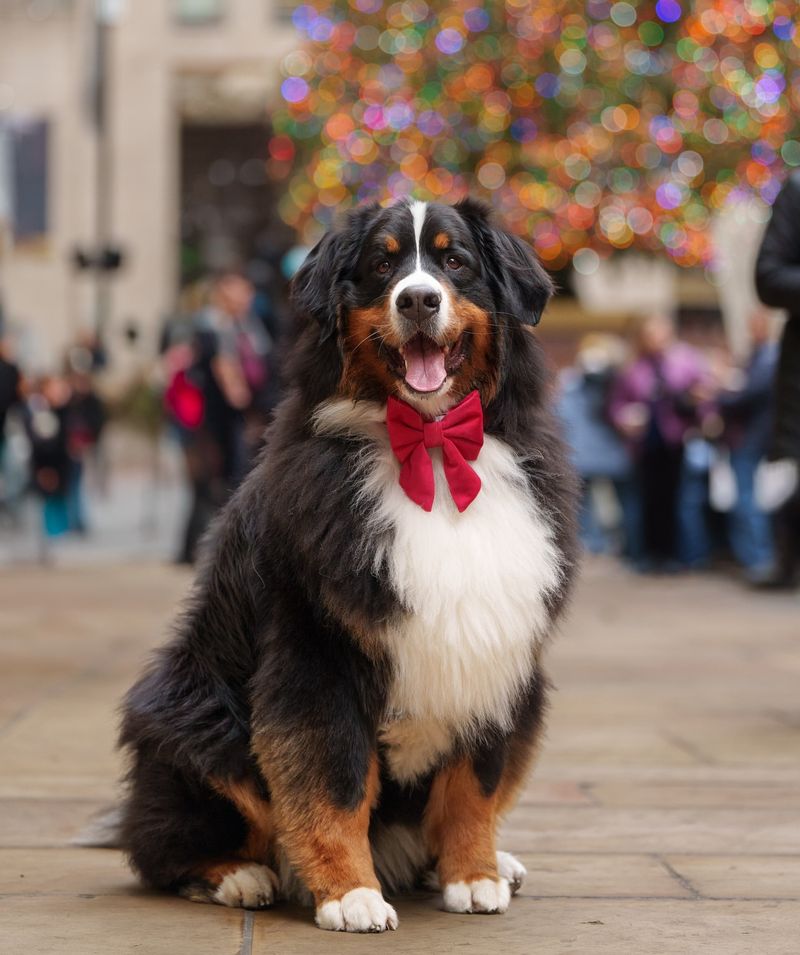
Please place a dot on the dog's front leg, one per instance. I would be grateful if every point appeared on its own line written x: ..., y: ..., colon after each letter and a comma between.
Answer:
x: 460, y: 824
x: 325, y: 834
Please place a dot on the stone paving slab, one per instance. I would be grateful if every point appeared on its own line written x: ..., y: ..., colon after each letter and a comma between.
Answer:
x: 666, y: 794
x: 747, y: 831
x: 554, y: 927
x: 43, y: 822
x: 62, y: 871
x: 136, y: 924
x: 663, y: 817
x: 587, y: 875
x: 745, y: 877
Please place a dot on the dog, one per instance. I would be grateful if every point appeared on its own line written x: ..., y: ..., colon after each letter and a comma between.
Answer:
x: 354, y: 692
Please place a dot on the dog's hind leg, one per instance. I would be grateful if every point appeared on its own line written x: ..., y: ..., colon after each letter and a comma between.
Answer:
x: 246, y: 881
x: 209, y: 842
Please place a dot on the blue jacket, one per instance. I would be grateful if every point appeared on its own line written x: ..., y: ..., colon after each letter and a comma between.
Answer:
x: 597, y: 449
x: 749, y: 411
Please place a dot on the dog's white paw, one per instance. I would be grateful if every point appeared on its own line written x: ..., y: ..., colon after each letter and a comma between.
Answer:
x: 359, y: 910
x: 483, y: 895
x: 249, y: 887
x: 512, y: 870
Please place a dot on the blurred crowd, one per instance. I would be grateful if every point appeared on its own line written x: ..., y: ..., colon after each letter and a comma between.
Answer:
x: 686, y: 454
x: 50, y: 431
x: 671, y: 443
x: 216, y: 381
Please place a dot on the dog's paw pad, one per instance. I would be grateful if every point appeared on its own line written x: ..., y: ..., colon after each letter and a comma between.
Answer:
x: 483, y: 895
x: 512, y: 870
x: 250, y: 886
x: 359, y: 910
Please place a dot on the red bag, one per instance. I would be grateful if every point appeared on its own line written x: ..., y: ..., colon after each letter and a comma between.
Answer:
x: 185, y: 401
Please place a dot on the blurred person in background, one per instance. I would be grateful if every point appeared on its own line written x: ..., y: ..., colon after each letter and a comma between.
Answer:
x: 745, y: 402
x: 46, y: 416
x: 85, y: 420
x: 10, y: 383
x: 778, y: 285
x: 214, y: 393
x: 600, y: 456
x: 10, y: 396
x: 657, y: 402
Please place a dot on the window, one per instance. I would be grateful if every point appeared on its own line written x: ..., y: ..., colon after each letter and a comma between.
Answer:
x: 199, y: 11
x: 23, y: 178
x: 5, y: 179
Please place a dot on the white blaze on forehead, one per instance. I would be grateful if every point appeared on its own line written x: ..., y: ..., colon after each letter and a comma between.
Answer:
x: 419, y: 276
x: 418, y: 210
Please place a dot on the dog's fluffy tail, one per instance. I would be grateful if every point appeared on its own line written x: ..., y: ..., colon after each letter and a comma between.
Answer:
x: 103, y: 829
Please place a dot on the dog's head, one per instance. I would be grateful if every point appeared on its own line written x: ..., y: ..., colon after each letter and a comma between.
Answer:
x: 422, y: 298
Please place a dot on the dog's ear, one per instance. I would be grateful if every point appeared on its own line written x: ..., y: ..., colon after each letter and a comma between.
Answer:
x: 317, y: 285
x: 521, y: 285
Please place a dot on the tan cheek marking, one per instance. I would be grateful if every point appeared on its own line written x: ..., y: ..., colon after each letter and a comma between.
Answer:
x: 364, y: 369
x: 460, y: 824
x: 392, y: 245
x: 442, y: 241
x: 479, y: 370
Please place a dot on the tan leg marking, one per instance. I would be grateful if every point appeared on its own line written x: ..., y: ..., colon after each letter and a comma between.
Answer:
x: 328, y: 846
x: 460, y: 823
x: 460, y: 826
x: 245, y: 880
x: 256, y: 812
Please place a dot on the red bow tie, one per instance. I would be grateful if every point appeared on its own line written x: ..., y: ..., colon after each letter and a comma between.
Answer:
x: 460, y: 436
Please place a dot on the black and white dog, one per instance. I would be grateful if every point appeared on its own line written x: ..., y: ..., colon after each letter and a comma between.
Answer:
x: 355, y: 692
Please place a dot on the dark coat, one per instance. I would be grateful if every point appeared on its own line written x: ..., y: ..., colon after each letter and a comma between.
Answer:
x: 778, y: 285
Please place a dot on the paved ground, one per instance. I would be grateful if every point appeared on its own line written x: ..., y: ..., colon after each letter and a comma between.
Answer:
x: 663, y: 817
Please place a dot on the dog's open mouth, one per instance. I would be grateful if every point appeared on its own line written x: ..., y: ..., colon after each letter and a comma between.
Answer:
x: 424, y: 364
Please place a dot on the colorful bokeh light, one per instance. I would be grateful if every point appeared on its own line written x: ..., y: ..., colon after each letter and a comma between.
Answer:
x: 590, y: 127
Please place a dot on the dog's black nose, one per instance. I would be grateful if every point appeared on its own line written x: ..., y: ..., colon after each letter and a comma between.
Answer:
x: 418, y: 302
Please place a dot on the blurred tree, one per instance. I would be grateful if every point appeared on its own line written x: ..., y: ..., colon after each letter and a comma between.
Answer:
x: 589, y: 126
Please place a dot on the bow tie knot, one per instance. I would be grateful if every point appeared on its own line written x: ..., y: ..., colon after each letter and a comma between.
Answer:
x: 459, y: 434
x: 432, y: 434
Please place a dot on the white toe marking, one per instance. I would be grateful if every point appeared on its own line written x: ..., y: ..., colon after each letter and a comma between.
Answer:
x: 249, y: 887
x: 359, y: 910
x: 512, y: 870
x: 457, y: 897
x: 483, y: 895
x: 490, y: 895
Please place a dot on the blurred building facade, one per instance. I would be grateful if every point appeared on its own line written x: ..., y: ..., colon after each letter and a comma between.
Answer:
x: 180, y: 154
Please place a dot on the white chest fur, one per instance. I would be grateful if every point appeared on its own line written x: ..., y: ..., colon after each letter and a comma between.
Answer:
x: 473, y: 586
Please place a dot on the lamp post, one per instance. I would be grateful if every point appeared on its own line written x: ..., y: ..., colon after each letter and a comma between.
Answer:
x: 106, y: 258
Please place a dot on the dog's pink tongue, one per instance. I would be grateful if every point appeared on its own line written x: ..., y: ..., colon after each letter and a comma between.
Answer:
x: 425, y: 369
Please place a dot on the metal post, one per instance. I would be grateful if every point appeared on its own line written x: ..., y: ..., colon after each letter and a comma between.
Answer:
x: 104, y: 178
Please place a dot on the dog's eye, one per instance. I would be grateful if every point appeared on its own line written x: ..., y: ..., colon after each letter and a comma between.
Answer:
x: 383, y: 267
x: 453, y: 262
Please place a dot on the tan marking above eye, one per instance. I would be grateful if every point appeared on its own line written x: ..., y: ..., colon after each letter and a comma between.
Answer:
x: 442, y: 241
x: 392, y: 245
